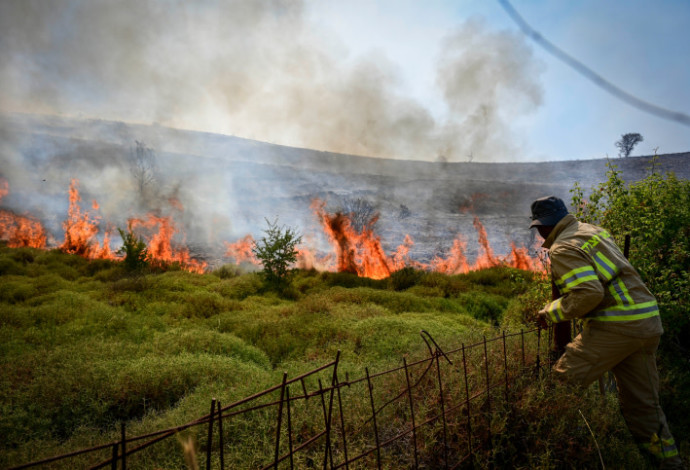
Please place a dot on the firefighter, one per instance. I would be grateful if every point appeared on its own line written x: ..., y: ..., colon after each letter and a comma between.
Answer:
x: 621, y: 323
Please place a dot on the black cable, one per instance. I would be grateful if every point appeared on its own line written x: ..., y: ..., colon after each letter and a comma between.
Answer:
x: 632, y: 100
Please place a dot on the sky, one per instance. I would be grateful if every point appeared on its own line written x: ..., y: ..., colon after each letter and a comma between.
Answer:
x: 433, y: 80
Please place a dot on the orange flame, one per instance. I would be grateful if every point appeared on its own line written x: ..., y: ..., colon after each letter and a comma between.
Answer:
x: 358, y: 253
x: 19, y: 230
x: 159, y: 232
x: 241, y: 250
x: 486, y: 258
x: 81, y: 229
x: 4, y: 188
x: 455, y: 262
x: 361, y: 253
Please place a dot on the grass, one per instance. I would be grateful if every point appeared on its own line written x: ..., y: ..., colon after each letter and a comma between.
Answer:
x: 84, y: 346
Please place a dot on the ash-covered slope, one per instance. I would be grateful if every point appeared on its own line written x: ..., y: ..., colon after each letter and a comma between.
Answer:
x: 221, y: 187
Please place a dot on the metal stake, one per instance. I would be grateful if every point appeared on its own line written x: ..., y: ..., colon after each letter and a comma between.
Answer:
x: 373, y: 415
x: 210, y: 434
x: 220, y: 436
x: 280, y: 422
x: 414, y: 425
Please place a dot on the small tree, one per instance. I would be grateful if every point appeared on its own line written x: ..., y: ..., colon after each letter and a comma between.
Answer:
x: 135, y: 251
x: 360, y: 211
x: 627, y: 143
x: 277, y: 251
x: 143, y: 166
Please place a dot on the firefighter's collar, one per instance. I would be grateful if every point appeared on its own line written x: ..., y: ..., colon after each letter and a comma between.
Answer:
x: 562, y: 224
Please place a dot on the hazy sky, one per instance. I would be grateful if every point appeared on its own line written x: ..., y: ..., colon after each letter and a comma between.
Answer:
x: 429, y: 80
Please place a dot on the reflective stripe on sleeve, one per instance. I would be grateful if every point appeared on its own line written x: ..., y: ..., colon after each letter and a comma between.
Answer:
x: 661, y: 448
x: 555, y: 311
x: 620, y: 293
x: 575, y: 277
x: 627, y: 312
x: 605, y: 266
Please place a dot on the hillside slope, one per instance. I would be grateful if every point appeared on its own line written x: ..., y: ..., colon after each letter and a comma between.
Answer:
x: 228, y: 185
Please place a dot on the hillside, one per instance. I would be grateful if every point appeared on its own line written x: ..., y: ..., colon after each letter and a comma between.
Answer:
x: 228, y: 185
x: 84, y: 347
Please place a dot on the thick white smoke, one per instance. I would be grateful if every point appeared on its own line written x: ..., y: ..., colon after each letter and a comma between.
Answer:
x: 259, y: 69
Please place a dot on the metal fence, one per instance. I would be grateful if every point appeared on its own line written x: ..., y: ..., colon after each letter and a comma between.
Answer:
x: 435, y: 412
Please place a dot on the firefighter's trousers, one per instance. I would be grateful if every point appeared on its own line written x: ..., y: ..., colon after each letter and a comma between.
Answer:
x: 633, y: 363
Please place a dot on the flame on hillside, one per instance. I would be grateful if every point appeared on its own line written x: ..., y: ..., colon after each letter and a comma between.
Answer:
x: 355, y: 251
x: 241, y: 250
x: 361, y: 252
x: 158, y: 232
x: 81, y: 229
x: 19, y: 230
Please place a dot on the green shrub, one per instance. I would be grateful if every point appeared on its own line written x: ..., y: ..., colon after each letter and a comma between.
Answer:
x: 227, y: 271
x: 240, y: 287
x: 135, y: 251
x: 17, y: 289
x: 277, y: 252
x: 404, y: 278
x: 9, y: 267
x: 484, y: 306
x: 203, y: 304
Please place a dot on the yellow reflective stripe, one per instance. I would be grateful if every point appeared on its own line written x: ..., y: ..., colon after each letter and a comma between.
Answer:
x: 605, y: 267
x: 661, y: 448
x: 575, y: 277
x: 620, y: 293
x: 627, y: 312
x: 555, y: 311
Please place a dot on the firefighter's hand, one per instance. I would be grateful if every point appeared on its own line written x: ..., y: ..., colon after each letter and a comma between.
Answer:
x: 541, y: 319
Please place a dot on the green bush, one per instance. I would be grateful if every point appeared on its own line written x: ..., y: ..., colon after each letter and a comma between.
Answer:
x: 404, y: 278
x: 277, y: 252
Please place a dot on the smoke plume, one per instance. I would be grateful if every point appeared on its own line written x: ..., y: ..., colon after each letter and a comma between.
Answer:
x: 260, y: 69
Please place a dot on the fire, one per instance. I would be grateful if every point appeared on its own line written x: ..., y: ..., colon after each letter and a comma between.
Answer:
x: 159, y: 232
x: 486, y: 259
x: 362, y: 253
x: 19, y: 230
x: 455, y: 262
x: 241, y: 250
x: 358, y: 253
x: 81, y: 229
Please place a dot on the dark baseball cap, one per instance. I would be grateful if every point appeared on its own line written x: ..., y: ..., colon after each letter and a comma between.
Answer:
x: 547, y: 211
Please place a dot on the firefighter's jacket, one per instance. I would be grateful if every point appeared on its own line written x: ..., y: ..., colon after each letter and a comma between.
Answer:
x: 597, y: 283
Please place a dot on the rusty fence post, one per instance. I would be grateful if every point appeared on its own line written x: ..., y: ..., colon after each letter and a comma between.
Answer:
x: 334, y: 381
x: 505, y: 363
x: 289, y: 425
x: 124, y: 445
x: 469, y: 405
x: 373, y: 415
x: 538, y: 361
x: 209, y: 441
x: 327, y: 430
x: 113, y: 465
x: 220, y: 435
x: 342, y: 427
x: 522, y: 346
x: 443, y: 409
x: 414, y: 424
x: 276, y: 453
x: 488, y: 394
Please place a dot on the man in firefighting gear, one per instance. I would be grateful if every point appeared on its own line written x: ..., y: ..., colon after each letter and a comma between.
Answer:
x: 621, y: 323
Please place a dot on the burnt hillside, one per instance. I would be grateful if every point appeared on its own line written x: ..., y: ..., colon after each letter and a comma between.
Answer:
x: 228, y: 185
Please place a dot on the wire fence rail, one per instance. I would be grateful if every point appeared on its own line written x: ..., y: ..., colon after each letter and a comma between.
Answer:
x: 434, y: 412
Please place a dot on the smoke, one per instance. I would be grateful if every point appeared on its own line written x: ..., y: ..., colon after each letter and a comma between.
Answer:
x: 260, y: 69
